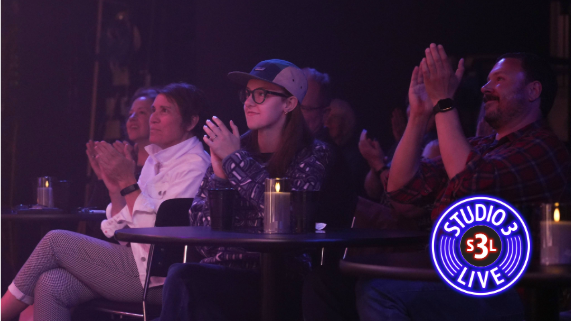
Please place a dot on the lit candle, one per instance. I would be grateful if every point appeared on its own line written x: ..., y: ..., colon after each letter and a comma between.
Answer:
x: 45, y: 195
x: 555, y: 238
x: 276, y: 207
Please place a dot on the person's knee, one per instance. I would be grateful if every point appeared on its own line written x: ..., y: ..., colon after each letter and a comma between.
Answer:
x: 179, y: 272
x: 178, y: 278
x: 51, y: 285
x: 56, y: 237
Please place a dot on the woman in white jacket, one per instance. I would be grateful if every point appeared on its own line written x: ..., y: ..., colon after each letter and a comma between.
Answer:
x: 68, y: 268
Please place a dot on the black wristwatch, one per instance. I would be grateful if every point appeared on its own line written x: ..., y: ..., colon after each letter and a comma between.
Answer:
x: 129, y: 189
x: 443, y: 105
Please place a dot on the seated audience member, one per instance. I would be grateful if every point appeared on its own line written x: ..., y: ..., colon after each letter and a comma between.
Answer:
x: 226, y: 285
x: 523, y: 162
x: 138, y: 133
x: 68, y: 268
x: 379, y: 164
x: 314, y: 105
x: 339, y: 191
x: 340, y: 122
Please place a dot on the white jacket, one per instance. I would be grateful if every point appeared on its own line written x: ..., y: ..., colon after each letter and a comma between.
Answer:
x: 174, y: 172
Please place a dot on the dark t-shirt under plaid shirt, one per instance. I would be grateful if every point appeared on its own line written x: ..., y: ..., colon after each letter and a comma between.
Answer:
x: 530, y: 165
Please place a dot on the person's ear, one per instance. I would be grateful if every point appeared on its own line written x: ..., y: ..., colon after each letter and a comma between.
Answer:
x: 192, y: 124
x: 533, y: 90
x: 291, y: 103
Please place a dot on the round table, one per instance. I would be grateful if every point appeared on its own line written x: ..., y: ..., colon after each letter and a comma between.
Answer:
x: 271, y: 246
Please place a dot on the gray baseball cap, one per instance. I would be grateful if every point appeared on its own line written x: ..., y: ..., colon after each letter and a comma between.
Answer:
x: 280, y: 72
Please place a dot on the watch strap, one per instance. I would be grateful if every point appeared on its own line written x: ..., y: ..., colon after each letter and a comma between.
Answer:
x: 382, y: 169
x: 129, y: 189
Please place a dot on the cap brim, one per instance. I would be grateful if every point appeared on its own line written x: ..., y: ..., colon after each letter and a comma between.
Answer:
x: 242, y: 78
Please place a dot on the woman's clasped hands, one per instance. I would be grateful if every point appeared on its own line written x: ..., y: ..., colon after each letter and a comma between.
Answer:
x: 115, y: 164
x: 222, y: 142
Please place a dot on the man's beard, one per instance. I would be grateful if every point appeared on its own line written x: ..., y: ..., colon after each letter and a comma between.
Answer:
x: 506, y: 109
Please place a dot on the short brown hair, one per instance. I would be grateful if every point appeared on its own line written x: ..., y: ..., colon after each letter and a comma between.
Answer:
x: 190, y: 100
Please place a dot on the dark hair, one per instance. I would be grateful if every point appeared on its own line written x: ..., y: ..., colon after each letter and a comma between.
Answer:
x: 324, y: 82
x: 295, y: 136
x: 147, y: 92
x: 537, y: 69
x: 190, y: 100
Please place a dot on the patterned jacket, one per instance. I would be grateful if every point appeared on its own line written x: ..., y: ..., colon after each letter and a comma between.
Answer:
x: 246, y: 173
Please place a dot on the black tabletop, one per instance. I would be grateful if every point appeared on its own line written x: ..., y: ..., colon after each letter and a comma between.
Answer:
x: 270, y: 242
x: 52, y: 217
x: 418, y: 266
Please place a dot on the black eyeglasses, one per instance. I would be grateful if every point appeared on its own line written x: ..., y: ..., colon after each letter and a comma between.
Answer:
x: 258, y: 94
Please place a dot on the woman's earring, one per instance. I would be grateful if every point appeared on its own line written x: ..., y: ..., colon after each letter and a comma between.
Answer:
x: 285, y: 112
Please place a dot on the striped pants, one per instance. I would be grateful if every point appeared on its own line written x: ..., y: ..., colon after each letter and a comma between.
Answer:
x: 67, y: 269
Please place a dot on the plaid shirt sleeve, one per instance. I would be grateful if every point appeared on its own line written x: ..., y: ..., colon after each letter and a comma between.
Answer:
x: 424, y: 188
x: 529, y: 165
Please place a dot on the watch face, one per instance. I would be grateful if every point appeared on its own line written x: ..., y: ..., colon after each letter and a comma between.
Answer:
x: 444, y: 105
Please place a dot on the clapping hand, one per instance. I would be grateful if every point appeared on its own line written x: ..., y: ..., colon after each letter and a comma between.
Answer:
x: 371, y: 151
x: 221, y: 141
x: 117, y: 168
x: 418, y: 99
x: 440, y: 80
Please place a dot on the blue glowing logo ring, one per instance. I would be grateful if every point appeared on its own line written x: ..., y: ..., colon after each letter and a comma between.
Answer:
x: 480, y: 268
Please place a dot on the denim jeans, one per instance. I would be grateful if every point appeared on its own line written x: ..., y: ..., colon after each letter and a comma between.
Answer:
x: 396, y: 300
x: 201, y: 292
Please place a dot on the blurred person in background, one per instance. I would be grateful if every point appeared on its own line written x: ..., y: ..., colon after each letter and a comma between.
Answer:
x: 138, y: 132
x: 339, y: 192
x: 340, y: 122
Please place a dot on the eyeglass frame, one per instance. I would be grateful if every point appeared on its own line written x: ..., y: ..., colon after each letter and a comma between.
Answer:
x: 265, y: 91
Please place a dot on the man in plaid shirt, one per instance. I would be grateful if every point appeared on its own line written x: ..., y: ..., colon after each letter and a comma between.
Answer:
x: 523, y: 162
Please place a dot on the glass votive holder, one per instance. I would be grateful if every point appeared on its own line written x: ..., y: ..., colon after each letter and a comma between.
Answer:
x: 555, y: 233
x: 277, y: 211
x: 221, y: 202
x: 45, y: 195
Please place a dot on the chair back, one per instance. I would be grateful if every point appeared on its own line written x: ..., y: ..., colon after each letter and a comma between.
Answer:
x: 173, y: 212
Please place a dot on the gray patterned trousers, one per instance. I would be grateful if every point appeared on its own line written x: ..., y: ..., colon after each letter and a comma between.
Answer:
x: 67, y: 269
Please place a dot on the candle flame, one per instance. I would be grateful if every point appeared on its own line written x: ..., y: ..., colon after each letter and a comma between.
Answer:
x: 277, y: 187
x: 47, y: 184
x: 556, y: 213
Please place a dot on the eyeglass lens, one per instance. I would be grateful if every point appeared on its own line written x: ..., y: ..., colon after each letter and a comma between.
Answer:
x: 258, y: 95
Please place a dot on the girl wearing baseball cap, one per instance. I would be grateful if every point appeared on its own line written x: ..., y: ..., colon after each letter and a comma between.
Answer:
x: 278, y: 144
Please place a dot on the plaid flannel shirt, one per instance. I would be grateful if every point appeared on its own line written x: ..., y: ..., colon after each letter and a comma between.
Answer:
x: 527, y: 166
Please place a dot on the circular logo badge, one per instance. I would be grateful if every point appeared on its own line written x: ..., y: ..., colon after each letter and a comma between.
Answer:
x: 480, y: 246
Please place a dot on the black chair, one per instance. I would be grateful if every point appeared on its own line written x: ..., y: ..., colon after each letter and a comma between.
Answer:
x: 173, y: 212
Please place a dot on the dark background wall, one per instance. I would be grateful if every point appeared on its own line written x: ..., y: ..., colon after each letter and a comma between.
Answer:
x: 369, y: 48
